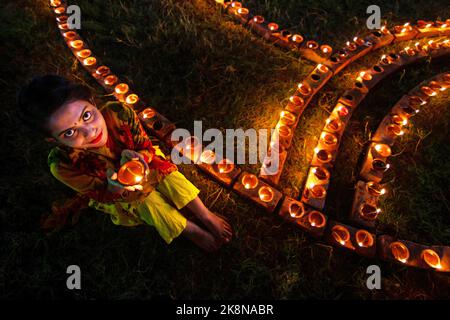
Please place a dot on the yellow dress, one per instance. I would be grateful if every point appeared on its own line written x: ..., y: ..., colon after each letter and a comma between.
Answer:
x: 155, y: 209
x: 157, y: 205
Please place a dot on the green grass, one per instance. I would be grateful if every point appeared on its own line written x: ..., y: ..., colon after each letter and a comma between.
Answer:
x: 192, y: 63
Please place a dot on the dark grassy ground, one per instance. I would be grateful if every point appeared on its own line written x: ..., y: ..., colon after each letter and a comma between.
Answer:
x: 192, y: 63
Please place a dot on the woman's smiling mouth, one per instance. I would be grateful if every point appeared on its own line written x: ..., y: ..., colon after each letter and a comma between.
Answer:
x: 97, y: 139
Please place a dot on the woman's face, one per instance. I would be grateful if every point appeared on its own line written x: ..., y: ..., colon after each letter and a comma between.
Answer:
x: 79, y: 124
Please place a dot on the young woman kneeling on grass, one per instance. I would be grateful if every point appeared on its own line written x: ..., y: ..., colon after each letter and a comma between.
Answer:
x: 91, y: 145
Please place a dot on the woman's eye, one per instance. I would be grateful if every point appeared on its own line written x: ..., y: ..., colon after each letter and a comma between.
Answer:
x: 87, y: 115
x: 69, y: 133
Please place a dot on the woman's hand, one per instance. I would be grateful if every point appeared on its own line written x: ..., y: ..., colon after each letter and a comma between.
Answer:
x: 128, y: 155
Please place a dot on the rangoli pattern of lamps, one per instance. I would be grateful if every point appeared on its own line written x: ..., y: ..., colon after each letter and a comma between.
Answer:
x: 337, y: 60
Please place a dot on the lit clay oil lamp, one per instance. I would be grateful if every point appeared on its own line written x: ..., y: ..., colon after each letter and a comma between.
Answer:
x: 208, y: 157
x: 59, y: 10
x: 110, y: 80
x: 446, y: 79
x: 431, y: 258
x: 131, y: 173
x: 410, y: 51
x: 428, y: 91
x: 342, y: 110
x: 249, y: 181
x: 358, y: 41
x: 322, y: 68
x: 192, y: 144
x: 364, y: 76
x: 243, y: 12
x: 380, y: 165
x: 283, y: 130
x: 148, y: 113
x: 394, y: 130
x: 84, y: 53
x: 333, y: 125
x: 258, y: 19
x: 102, y: 71
x: 121, y: 88
x: 436, y: 86
x: 316, y: 219
x: 273, y: 26
x: 408, y: 110
x: 399, y: 120
x: 328, y: 139
x: 297, y: 39
x: 416, y: 101
x: 375, y: 189
x: 296, y: 101
x: 315, y: 191
x: 296, y: 210
x: 403, y: 29
x: 77, y: 44
x: 383, y: 150
x: 340, y: 234
x: 131, y: 99
x: 63, y: 26
x: 62, y: 19
x: 236, y: 4
x: 69, y: 35
x: 433, y: 45
x: 323, y: 155
x: 265, y: 194
x: 351, y: 46
x: 321, y: 174
x: 399, y: 251
x: 225, y: 166
x: 287, y: 118
x: 364, y: 239
x: 304, y: 89
x: 55, y: 3
x: 369, y: 212
x: 90, y: 61
x: 326, y: 49
x: 311, y: 44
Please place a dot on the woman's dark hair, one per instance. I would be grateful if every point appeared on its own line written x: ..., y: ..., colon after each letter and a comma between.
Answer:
x: 43, y: 95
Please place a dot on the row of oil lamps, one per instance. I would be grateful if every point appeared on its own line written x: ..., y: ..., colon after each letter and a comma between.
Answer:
x: 375, y: 164
x: 246, y: 183
x: 121, y: 90
x: 318, y: 53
